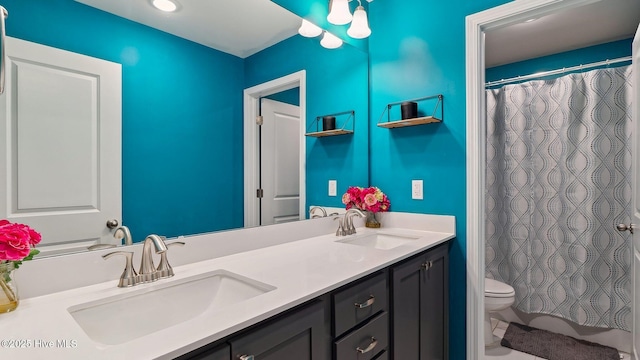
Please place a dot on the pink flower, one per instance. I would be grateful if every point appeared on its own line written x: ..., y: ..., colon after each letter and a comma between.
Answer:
x: 370, y: 199
x: 16, y: 240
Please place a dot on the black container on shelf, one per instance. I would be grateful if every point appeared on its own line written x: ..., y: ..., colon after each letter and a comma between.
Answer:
x: 409, y: 110
x: 328, y: 123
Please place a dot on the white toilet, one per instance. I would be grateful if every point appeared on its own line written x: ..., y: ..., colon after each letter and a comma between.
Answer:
x: 497, y: 296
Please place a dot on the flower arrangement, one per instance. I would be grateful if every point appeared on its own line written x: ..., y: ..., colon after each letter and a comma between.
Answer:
x: 17, y: 244
x: 368, y: 199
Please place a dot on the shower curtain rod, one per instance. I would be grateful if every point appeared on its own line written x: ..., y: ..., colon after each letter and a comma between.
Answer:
x: 558, y: 71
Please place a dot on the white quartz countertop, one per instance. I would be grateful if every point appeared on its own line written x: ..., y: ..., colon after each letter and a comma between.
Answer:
x: 42, y: 327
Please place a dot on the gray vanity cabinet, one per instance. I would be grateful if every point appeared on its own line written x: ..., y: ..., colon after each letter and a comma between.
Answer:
x: 298, y: 335
x: 420, y: 304
x: 361, y: 319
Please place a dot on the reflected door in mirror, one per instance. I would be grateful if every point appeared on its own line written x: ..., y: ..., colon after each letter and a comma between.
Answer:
x: 61, y: 117
x: 280, y: 162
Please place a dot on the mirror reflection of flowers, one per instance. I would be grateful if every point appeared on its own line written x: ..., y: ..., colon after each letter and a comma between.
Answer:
x: 17, y: 244
x: 368, y: 199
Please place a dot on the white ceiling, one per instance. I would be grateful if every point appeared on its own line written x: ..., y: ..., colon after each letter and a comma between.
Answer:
x: 238, y: 27
x: 597, y: 23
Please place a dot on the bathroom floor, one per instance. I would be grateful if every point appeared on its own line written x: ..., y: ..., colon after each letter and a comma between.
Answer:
x: 499, y: 352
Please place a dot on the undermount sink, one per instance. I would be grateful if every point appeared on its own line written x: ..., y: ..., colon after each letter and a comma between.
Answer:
x: 380, y: 240
x: 122, y: 318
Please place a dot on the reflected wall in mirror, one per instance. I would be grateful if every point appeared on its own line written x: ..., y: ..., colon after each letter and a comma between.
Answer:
x: 182, y: 114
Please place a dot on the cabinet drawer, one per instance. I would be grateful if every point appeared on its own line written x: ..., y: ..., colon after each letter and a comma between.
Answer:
x: 383, y: 356
x: 359, y: 302
x: 366, y: 342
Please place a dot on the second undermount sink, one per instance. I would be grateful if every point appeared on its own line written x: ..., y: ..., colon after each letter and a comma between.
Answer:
x: 380, y: 240
x: 122, y: 318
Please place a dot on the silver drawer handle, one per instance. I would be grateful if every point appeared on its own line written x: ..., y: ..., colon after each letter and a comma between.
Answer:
x: 245, y: 357
x: 373, y: 344
x: 367, y: 303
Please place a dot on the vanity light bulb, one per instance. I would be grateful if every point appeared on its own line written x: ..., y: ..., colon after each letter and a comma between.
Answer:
x: 308, y: 29
x: 330, y: 41
x: 165, y: 5
x: 339, y: 14
x: 359, y: 28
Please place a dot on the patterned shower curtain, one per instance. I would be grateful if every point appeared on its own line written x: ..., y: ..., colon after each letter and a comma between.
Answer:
x: 558, y: 180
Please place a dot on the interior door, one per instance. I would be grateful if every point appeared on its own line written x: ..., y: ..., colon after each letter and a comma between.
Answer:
x: 280, y: 162
x: 60, y: 121
x: 636, y: 194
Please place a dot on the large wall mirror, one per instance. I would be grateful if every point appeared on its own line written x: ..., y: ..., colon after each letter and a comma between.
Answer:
x: 181, y: 138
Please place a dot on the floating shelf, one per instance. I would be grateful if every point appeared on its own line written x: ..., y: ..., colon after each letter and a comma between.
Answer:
x: 341, y: 131
x: 433, y: 118
x: 409, y: 122
x: 329, y: 133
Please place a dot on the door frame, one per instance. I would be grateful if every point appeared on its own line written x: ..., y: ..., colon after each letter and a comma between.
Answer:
x: 476, y: 25
x: 251, y: 100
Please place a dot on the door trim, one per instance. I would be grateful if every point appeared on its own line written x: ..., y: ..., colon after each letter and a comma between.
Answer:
x: 476, y: 25
x: 251, y: 100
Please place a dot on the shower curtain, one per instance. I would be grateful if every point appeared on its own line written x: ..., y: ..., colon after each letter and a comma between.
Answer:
x: 558, y: 180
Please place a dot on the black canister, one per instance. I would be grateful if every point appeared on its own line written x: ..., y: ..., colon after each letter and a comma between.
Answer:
x: 328, y: 123
x: 409, y: 110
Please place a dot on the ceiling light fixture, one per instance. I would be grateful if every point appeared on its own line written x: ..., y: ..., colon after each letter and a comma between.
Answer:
x: 309, y: 29
x: 339, y: 12
x: 359, y: 28
x: 165, y: 5
x: 330, y: 41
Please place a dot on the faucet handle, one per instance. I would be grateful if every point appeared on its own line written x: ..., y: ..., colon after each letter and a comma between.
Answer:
x: 341, y: 231
x: 129, y: 276
x: 164, y: 268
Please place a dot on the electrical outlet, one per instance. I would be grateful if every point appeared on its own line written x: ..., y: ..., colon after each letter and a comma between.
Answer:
x: 416, y: 189
x: 333, y: 188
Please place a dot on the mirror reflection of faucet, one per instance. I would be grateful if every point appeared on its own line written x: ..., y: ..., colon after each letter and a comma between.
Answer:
x: 121, y: 233
x: 148, y: 272
x: 315, y: 216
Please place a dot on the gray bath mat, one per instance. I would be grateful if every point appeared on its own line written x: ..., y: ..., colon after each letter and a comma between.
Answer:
x: 554, y: 346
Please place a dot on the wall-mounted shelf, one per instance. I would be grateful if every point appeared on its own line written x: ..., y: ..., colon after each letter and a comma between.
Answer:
x: 343, y: 130
x: 329, y: 133
x: 429, y: 119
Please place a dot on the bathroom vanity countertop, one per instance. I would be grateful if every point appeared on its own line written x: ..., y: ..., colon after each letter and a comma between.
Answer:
x: 300, y: 270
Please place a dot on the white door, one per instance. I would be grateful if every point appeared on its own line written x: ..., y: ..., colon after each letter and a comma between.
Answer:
x: 635, y: 83
x: 280, y: 162
x: 60, y: 157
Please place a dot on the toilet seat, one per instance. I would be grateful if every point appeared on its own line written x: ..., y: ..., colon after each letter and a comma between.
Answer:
x: 497, y: 289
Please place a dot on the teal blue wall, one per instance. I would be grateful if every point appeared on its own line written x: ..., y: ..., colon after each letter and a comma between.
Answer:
x: 577, y: 57
x: 291, y: 96
x: 174, y: 92
x: 336, y: 82
x: 417, y: 49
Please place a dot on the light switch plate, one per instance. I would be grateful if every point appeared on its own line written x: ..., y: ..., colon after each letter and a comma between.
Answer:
x: 416, y: 189
x: 333, y: 188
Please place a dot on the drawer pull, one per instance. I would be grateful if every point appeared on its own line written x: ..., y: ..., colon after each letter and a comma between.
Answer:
x: 245, y: 357
x: 367, y: 303
x: 373, y: 344
x: 427, y: 265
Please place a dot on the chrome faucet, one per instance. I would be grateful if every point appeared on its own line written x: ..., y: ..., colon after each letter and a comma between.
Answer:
x: 147, y: 271
x: 348, y: 221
